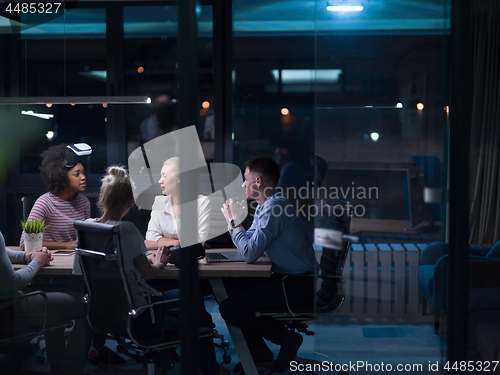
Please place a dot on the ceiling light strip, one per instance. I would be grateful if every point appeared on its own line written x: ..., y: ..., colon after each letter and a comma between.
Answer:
x: 75, y: 100
x: 344, y: 8
x: 362, y: 107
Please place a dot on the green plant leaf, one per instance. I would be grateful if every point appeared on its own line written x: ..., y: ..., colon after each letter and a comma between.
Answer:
x: 34, y: 225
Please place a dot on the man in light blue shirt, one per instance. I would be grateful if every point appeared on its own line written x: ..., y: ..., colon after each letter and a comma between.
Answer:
x: 279, y: 233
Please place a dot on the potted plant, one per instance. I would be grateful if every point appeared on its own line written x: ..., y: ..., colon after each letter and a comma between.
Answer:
x: 33, y: 233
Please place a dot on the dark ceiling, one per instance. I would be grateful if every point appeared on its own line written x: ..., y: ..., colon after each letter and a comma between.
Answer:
x: 256, y: 18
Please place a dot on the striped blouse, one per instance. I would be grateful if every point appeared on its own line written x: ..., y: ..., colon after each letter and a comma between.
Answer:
x: 60, y: 215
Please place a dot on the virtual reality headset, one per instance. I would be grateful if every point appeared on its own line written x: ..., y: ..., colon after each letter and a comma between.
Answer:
x: 77, y: 153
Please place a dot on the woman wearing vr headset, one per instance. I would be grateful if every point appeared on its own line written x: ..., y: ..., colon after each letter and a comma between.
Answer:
x: 64, y: 168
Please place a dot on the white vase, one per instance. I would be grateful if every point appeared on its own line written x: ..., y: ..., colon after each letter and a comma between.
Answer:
x: 32, y: 240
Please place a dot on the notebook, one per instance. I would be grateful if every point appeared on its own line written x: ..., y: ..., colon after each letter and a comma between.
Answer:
x: 226, y: 256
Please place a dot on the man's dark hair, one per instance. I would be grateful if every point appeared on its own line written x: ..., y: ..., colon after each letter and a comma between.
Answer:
x: 53, y: 173
x: 162, y: 92
x: 266, y: 168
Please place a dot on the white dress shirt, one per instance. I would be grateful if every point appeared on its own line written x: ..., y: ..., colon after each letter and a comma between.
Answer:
x: 163, y: 222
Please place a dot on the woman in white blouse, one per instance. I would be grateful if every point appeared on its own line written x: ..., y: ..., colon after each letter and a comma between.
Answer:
x: 165, y: 224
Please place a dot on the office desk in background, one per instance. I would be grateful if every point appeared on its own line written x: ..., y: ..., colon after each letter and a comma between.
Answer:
x: 62, y: 267
x: 361, y: 224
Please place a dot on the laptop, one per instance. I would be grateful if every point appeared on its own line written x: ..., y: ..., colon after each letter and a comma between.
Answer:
x: 226, y: 256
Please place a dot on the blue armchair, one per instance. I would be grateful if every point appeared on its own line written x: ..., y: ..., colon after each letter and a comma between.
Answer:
x: 484, y: 310
x: 432, y: 274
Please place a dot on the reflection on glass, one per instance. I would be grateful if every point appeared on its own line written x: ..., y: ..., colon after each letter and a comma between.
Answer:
x: 42, y: 127
x: 342, y: 89
x: 51, y: 55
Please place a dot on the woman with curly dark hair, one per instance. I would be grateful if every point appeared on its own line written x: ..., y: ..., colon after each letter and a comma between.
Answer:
x: 63, y: 170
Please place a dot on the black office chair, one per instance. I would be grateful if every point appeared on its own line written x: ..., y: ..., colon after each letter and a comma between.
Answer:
x: 14, y: 338
x: 28, y: 202
x: 333, y: 234
x: 110, y: 306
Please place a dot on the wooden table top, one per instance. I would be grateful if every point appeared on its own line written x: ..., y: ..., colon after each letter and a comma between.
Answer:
x: 63, y: 266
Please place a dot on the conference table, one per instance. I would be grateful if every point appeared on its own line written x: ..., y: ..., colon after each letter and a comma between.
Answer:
x: 62, y: 267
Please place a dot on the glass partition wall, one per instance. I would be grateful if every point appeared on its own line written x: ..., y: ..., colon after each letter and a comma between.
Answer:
x: 104, y: 73
x: 110, y: 57
x: 353, y: 106
x: 354, y: 102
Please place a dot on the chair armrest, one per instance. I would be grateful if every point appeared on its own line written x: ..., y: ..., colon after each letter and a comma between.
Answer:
x: 21, y: 296
x: 11, y: 300
x: 440, y: 276
x: 140, y: 309
x: 340, y: 278
x: 478, y: 251
x: 436, y: 250
x: 433, y: 253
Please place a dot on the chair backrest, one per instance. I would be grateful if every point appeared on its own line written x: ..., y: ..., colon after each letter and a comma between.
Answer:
x: 28, y: 202
x: 98, y: 246
x: 331, y: 292
x: 321, y: 168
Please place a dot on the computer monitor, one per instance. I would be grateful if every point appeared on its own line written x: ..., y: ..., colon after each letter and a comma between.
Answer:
x: 418, y: 211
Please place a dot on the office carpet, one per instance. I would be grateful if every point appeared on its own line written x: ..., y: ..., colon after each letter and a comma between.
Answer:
x: 361, y: 344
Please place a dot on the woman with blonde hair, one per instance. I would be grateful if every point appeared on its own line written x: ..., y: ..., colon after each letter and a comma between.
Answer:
x: 165, y: 224
x: 115, y: 200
